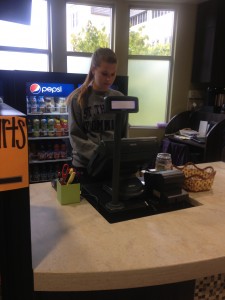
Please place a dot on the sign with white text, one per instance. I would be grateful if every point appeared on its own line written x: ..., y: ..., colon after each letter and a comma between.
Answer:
x: 13, y: 153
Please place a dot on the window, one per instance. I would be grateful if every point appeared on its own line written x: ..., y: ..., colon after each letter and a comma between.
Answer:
x: 88, y: 27
x: 25, y: 47
x: 150, y: 59
x: 150, y: 63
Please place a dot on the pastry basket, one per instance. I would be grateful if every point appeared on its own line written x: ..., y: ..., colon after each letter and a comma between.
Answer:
x: 197, y: 179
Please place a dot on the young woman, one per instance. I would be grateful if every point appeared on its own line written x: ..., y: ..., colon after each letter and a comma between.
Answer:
x: 88, y: 123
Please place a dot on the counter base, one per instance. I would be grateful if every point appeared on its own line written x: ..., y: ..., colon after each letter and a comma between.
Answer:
x: 175, y: 291
x: 142, y: 206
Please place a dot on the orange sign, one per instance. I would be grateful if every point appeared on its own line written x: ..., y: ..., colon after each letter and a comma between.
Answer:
x: 13, y: 153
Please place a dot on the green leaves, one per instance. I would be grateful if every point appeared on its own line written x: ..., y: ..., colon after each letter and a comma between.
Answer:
x: 89, y: 39
x: 139, y: 45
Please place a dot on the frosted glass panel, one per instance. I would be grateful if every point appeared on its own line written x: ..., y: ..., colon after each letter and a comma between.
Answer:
x: 148, y: 80
x: 23, y: 61
x: 79, y: 65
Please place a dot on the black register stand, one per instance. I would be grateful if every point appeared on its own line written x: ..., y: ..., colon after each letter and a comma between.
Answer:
x: 111, y: 205
x: 15, y: 233
x: 125, y: 196
x: 115, y: 204
x: 118, y: 105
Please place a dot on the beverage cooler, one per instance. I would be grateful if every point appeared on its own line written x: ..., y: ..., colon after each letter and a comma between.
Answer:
x: 16, y: 274
x: 48, y: 137
x: 41, y: 96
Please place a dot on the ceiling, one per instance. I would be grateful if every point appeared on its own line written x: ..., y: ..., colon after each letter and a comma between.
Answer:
x: 172, y: 1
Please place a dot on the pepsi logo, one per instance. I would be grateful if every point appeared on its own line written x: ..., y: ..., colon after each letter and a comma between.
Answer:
x: 35, y: 88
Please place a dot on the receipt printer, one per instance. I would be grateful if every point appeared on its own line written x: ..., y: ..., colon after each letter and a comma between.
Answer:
x: 165, y: 185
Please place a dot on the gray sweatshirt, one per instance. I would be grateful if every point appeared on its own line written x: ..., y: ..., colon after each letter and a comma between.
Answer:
x: 88, y: 126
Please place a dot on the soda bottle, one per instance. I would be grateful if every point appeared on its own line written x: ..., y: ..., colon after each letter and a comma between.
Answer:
x: 56, y: 151
x: 64, y: 126
x: 57, y: 105
x: 44, y: 131
x: 42, y: 153
x: 58, y: 127
x: 51, y: 131
x: 33, y: 102
x: 63, y: 151
x: 63, y: 108
x: 42, y: 107
x: 36, y: 127
x: 50, y: 153
x: 48, y: 105
x: 28, y: 105
x: 29, y: 127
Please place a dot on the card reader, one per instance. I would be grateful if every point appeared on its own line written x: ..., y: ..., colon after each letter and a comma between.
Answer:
x: 166, y: 185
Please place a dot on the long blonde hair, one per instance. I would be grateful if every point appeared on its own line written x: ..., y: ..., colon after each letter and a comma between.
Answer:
x: 100, y: 55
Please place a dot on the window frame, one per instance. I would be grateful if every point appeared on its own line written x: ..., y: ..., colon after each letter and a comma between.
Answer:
x: 57, y: 50
x: 170, y: 58
x: 94, y: 3
x: 25, y: 50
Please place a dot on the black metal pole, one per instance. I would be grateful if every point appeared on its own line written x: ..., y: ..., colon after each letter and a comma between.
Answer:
x: 116, y: 204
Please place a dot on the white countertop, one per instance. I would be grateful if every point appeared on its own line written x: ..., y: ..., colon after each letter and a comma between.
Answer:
x: 75, y: 249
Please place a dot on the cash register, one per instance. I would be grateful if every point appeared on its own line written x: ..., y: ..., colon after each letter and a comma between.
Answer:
x: 121, y: 193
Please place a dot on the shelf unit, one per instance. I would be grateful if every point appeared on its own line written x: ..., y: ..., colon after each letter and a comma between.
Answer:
x: 49, y: 146
x: 213, y: 147
x: 208, y: 58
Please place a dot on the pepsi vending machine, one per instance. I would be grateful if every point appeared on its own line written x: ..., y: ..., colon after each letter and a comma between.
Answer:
x: 41, y: 96
x: 47, y: 118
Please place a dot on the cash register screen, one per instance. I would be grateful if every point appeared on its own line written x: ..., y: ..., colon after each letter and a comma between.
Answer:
x: 119, y: 104
x: 123, y: 104
x: 135, y: 154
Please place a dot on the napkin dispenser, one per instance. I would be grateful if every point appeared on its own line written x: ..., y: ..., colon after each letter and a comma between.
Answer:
x: 166, y: 185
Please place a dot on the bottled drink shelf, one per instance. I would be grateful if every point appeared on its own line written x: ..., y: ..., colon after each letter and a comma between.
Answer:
x: 48, y: 138
x: 34, y: 161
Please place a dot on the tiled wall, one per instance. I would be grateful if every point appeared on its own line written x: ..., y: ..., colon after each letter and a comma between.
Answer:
x: 210, y: 288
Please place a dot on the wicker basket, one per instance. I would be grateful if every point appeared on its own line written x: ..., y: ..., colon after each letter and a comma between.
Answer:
x: 197, y: 179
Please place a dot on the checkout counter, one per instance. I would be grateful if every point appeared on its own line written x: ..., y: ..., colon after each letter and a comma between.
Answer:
x: 16, y: 274
x: 77, y: 253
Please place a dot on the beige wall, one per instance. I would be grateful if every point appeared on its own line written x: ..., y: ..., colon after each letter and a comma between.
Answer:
x: 184, y: 46
x: 137, y: 132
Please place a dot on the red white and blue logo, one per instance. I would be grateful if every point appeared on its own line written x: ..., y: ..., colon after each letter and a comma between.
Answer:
x: 49, y: 89
x: 35, y: 88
